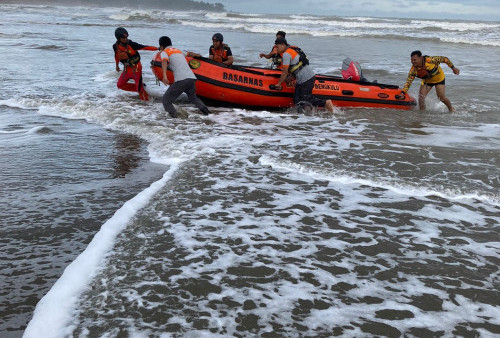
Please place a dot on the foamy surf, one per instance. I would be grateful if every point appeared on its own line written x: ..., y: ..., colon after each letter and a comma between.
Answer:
x: 54, y: 311
x: 400, y: 188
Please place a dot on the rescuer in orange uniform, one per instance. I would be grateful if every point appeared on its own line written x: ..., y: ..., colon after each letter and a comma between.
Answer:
x: 273, y: 54
x: 219, y: 51
x: 126, y: 52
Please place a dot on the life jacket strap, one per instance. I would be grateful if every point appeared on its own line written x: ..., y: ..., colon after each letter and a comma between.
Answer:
x: 296, y: 68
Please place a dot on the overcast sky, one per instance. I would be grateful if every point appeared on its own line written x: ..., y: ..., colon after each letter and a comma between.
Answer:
x: 439, y: 9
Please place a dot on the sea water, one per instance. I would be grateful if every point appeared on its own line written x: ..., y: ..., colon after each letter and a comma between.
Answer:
x: 117, y: 221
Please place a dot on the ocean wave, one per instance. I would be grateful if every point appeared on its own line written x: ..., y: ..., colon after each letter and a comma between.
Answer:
x: 40, y: 130
x: 47, y: 47
x: 471, y: 41
x: 151, y: 16
x: 237, y: 15
x: 10, y: 36
x: 121, y: 115
x: 21, y: 103
x: 457, y: 32
x: 341, y: 29
x: 361, y: 18
x: 455, y: 26
x: 458, y: 137
x: 401, y: 188
x: 357, y: 22
x: 15, y: 130
x: 305, y: 21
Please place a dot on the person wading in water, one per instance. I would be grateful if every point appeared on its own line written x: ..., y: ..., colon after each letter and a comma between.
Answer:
x: 126, y: 52
x: 428, y: 69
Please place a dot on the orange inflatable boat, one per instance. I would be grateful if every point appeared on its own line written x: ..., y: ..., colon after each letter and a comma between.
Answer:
x: 249, y: 87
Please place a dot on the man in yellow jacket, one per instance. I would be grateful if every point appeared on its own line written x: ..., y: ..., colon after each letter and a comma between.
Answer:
x: 428, y: 69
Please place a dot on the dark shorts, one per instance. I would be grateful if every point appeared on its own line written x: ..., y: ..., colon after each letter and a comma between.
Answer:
x: 435, y: 84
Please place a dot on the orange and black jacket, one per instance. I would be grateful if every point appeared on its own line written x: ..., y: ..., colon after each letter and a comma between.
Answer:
x: 131, y: 49
x: 220, y: 55
x: 429, y: 72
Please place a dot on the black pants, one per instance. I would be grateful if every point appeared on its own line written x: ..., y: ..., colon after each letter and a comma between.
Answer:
x: 176, y: 89
x: 303, y: 95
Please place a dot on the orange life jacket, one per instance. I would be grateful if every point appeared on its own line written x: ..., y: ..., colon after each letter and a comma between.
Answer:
x: 127, y: 55
x: 428, y: 69
x: 220, y: 55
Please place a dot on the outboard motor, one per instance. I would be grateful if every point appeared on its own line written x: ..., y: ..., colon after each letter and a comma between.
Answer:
x: 351, y: 70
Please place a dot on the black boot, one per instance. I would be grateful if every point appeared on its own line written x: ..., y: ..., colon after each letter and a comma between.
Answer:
x: 205, y: 111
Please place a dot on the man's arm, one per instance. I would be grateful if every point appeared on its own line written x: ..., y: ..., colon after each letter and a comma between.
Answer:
x: 116, y: 59
x: 270, y: 54
x: 152, y: 48
x: 283, y: 76
x: 229, y: 54
x: 164, y: 65
x: 229, y: 60
x: 444, y: 59
x: 409, y: 80
x: 193, y: 54
x: 138, y: 46
x: 287, y: 59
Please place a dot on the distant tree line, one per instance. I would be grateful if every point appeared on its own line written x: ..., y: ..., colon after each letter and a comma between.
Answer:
x: 156, y: 4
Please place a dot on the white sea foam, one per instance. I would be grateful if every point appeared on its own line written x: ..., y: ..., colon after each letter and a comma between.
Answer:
x: 23, y: 103
x: 33, y: 130
x: 53, y: 312
x: 486, y: 136
x: 397, y: 187
x: 259, y: 234
x: 471, y: 40
x: 456, y: 26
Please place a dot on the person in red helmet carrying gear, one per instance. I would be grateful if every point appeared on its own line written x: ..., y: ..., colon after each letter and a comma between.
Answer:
x: 219, y: 51
x: 126, y: 52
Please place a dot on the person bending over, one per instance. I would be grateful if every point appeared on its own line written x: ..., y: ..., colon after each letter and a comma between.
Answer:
x: 428, y: 69
x: 184, y: 78
x: 126, y: 52
x: 295, y: 63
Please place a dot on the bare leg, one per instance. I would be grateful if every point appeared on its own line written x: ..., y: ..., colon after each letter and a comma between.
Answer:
x: 424, y: 90
x: 440, y: 91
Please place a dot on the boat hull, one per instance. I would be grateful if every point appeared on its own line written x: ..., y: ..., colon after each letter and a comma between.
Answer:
x: 250, y: 87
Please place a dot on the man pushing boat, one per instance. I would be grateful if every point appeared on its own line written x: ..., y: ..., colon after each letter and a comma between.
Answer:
x: 428, y: 69
x: 184, y: 78
x: 295, y: 63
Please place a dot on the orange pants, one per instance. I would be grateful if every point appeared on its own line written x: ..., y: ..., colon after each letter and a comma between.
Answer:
x: 134, y: 73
